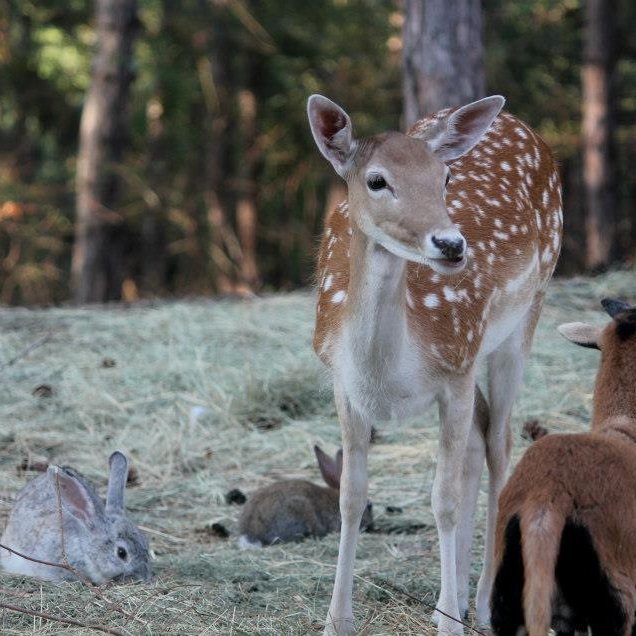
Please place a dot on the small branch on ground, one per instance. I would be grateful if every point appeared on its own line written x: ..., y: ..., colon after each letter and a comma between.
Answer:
x: 59, y: 619
x: 30, y: 347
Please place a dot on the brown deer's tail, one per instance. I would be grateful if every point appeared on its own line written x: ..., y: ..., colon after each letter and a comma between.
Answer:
x: 541, y: 532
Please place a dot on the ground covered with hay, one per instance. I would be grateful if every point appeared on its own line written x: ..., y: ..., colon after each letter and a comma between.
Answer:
x: 207, y: 396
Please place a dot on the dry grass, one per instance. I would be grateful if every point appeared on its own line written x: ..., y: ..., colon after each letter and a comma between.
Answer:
x: 208, y: 396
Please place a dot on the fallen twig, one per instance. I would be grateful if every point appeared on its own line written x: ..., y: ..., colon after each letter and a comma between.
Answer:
x: 33, y: 345
x: 426, y: 604
x: 59, y: 619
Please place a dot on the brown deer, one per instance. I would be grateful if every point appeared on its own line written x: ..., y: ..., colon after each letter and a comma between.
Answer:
x: 438, y: 260
x: 566, y: 533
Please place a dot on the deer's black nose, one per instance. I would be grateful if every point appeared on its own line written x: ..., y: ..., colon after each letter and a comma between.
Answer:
x: 450, y: 248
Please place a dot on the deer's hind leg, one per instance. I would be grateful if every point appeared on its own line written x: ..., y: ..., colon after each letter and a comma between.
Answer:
x: 505, y: 373
x: 471, y: 478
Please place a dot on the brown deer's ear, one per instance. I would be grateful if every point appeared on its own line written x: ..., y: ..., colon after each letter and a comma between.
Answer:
x: 329, y: 469
x: 581, y: 334
x: 332, y: 131
x: 614, y: 307
x: 463, y: 129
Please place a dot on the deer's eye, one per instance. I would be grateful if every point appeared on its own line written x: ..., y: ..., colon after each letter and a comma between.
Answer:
x: 376, y: 182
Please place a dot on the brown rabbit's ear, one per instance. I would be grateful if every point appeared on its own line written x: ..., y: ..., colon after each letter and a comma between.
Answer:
x: 329, y: 468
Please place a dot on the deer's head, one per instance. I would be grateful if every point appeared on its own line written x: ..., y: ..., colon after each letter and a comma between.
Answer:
x: 397, y: 183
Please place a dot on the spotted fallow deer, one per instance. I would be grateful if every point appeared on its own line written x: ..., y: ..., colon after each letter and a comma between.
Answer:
x: 437, y: 261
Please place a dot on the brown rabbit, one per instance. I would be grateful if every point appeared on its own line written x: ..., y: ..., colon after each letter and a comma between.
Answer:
x: 295, y: 509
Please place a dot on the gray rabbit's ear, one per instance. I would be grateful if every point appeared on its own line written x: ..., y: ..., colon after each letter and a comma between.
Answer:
x: 328, y: 468
x: 117, y: 479
x: 74, y: 495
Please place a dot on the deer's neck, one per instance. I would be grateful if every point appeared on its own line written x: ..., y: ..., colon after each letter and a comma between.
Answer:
x: 614, y: 398
x: 376, y: 323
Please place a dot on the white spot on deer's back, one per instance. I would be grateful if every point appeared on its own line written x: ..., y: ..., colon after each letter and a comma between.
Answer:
x: 328, y: 281
x: 450, y: 294
x: 544, y: 197
x: 338, y: 297
x: 431, y: 301
x: 506, y: 166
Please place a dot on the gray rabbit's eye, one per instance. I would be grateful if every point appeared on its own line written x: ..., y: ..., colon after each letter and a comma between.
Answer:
x: 122, y: 553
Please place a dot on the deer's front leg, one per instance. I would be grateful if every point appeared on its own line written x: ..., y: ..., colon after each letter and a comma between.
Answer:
x: 353, y: 500
x: 456, y: 412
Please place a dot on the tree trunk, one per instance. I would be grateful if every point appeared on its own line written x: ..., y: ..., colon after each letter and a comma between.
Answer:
x: 97, y: 267
x: 443, y: 56
x: 598, y: 133
x: 246, y: 202
x: 217, y: 80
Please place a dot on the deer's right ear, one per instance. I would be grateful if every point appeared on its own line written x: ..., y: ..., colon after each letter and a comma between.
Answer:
x: 332, y: 131
x: 581, y: 334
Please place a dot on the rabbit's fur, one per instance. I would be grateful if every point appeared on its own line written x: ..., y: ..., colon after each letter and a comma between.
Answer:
x: 295, y: 509
x: 100, y: 542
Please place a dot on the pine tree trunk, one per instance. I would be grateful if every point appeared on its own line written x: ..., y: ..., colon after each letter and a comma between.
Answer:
x: 598, y: 133
x: 443, y: 56
x: 97, y: 267
x: 246, y: 215
x: 215, y: 75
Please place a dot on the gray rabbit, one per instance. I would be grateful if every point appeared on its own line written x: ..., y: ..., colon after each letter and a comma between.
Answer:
x: 295, y: 509
x: 101, y: 543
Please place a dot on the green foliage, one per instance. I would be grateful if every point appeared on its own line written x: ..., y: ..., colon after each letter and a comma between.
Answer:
x: 194, y: 62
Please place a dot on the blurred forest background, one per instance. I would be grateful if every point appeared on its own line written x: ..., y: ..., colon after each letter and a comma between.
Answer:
x: 160, y: 147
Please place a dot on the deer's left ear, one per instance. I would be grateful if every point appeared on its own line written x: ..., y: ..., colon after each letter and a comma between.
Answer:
x: 581, y: 334
x: 458, y: 133
x: 332, y: 131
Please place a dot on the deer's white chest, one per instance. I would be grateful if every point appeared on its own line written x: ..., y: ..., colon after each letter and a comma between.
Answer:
x: 384, y: 384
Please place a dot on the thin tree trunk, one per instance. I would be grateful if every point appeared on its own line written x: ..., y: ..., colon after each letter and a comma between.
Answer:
x: 598, y: 133
x: 97, y: 268
x: 443, y: 56
x: 246, y: 216
x: 214, y: 75
x: 153, y: 259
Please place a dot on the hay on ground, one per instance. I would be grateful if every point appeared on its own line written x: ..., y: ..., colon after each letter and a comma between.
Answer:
x: 208, y: 396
